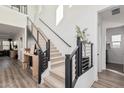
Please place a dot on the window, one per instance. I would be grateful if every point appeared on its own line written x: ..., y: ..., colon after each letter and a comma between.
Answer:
x: 5, y: 45
x: 59, y: 14
x: 116, y: 41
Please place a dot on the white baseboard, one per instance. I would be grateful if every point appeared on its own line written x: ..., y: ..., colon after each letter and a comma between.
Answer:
x: 115, y: 72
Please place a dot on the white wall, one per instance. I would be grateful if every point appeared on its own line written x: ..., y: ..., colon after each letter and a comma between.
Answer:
x: 11, y: 17
x: 115, y: 55
x: 83, y: 16
x: 34, y: 12
x: 86, y: 80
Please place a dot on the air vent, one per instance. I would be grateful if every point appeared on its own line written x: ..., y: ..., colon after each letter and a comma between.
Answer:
x: 116, y: 11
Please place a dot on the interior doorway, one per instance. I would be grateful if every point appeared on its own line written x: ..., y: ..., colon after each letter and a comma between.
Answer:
x: 115, y: 48
x: 111, y: 39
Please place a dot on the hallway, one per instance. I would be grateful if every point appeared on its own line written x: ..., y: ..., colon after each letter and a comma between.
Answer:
x: 12, y: 75
x: 116, y: 67
x: 108, y: 79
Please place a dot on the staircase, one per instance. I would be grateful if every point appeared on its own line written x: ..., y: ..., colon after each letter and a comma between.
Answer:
x: 57, y: 71
x: 64, y: 72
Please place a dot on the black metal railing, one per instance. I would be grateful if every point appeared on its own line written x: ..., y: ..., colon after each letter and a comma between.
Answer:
x: 71, y: 75
x: 85, y: 55
x: 78, y: 63
x: 44, y: 57
x: 54, y: 32
x: 43, y: 47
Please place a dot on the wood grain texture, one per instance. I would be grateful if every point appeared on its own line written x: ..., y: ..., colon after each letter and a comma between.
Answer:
x: 109, y: 79
x: 116, y: 67
x: 13, y: 76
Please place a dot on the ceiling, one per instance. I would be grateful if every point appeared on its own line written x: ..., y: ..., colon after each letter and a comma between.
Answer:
x: 107, y: 14
x: 7, y: 31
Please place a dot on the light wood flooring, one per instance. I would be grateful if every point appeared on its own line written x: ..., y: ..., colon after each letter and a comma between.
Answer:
x: 116, y: 67
x: 12, y: 75
x: 109, y: 79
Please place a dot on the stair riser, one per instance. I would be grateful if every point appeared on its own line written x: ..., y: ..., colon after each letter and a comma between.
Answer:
x: 57, y: 77
x: 53, y: 48
x: 53, y: 51
x: 52, y: 85
x: 57, y: 59
x: 55, y: 55
x: 56, y: 65
x: 51, y: 45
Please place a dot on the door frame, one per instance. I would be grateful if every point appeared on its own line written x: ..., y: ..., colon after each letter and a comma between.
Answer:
x: 101, y: 41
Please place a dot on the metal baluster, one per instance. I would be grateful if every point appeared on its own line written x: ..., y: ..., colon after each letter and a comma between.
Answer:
x: 91, y: 54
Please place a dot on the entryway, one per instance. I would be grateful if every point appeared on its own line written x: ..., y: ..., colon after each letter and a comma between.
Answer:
x: 115, y: 48
x: 111, y: 39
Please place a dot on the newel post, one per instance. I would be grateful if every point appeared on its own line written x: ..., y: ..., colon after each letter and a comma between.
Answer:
x: 79, y: 56
x: 68, y: 72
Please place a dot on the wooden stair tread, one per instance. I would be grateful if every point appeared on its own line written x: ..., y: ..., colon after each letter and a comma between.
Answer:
x: 58, y: 62
x: 43, y: 86
x: 59, y: 74
x: 53, y: 82
x: 60, y: 71
x: 55, y: 59
x: 54, y: 50
x: 55, y: 55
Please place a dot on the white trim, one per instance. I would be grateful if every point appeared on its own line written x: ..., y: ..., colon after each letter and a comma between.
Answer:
x: 122, y: 74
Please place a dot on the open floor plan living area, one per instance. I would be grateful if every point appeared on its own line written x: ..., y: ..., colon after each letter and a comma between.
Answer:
x: 61, y: 46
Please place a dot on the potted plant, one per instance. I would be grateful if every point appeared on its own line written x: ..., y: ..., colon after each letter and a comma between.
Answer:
x: 83, y: 37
